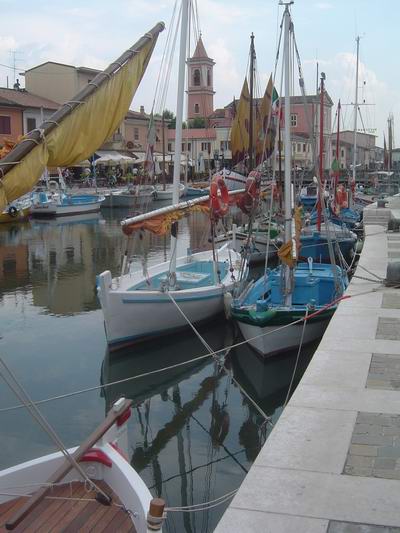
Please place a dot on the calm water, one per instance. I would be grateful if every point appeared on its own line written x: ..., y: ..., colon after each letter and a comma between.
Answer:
x: 193, y: 434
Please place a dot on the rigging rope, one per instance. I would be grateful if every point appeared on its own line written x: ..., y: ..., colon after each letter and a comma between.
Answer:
x: 11, y: 380
x: 199, y: 358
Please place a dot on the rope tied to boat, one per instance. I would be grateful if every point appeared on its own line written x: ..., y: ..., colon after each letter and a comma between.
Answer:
x: 191, y: 361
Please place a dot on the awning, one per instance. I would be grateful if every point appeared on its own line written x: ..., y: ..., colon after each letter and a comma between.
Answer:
x: 112, y: 156
x: 141, y: 158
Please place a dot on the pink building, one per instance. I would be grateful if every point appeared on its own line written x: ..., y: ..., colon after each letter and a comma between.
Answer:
x: 200, y: 87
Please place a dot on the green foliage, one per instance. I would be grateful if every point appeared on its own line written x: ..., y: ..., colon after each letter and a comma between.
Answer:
x: 198, y: 122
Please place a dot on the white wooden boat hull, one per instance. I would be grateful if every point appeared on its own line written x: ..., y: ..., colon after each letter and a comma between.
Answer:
x: 126, y: 199
x: 271, y: 340
x: 166, y: 195
x: 133, y: 315
x: 120, y: 477
x: 53, y: 209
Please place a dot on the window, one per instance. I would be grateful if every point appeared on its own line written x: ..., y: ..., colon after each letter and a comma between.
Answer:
x: 196, y: 77
x: 206, y: 147
x: 169, y: 147
x: 298, y: 148
x: 342, y: 152
x: 304, y: 147
x: 333, y: 152
x: 30, y: 124
x: 223, y: 146
x: 5, y: 125
x: 136, y: 134
x: 293, y: 120
x: 183, y: 147
x: 189, y: 147
x: 196, y: 108
x: 208, y: 77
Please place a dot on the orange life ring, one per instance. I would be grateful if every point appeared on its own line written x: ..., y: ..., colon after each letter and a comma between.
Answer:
x: 251, y: 195
x: 341, y: 196
x: 219, y: 197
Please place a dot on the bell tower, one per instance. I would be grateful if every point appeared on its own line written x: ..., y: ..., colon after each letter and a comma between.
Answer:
x: 200, y: 87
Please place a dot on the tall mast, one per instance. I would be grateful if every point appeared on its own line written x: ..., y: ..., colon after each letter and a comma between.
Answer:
x: 390, y: 142
x: 179, y: 121
x: 353, y: 182
x: 251, y: 142
x: 337, y: 147
x: 287, y: 145
x: 321, y: 153
x: 163, y: 150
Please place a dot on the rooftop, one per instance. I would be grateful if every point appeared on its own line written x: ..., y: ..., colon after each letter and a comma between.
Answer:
x: 23, y: 98
x: 80, y: 69
x: 194, y: 133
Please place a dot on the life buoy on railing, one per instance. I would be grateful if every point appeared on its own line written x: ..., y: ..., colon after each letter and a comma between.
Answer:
x: 12, y: 211
x: 341, y: 197
x: 251, y: 195
x: 219, y: 198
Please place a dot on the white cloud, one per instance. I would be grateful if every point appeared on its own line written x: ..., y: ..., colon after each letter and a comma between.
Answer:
x: 323, y: 5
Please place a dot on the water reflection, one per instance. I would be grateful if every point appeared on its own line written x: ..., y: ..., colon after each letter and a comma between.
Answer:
x: 193, y: 434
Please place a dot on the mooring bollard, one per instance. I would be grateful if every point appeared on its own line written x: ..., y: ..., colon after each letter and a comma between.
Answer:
x: 155, y: 516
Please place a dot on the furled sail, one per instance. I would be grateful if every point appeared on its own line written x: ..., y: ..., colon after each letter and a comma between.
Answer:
x: 240, y: 127
x: 160, y: 221
x: 266, y: 124
x: 80, y: 126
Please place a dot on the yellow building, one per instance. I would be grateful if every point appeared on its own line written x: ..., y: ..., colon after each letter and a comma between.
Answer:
x: 57, y: 81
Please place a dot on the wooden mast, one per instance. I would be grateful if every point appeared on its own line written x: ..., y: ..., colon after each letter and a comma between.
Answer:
x: 321, y: 154
x: 38, y: 135
x: 251, y: 127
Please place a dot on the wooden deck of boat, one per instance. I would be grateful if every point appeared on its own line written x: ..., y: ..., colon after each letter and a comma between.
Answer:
x: 82, y: 513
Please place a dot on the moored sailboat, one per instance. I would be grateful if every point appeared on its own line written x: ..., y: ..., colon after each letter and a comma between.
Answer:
x: 294, y: 302
x: 185, y: 290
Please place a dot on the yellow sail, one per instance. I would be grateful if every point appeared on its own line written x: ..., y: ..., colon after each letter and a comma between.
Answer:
x: 240, y: 127
x: 264, y: 139
x: 81, y: 132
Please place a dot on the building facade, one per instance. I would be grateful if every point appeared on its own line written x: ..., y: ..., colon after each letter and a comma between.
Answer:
x: 21, y: 112
x: 57, y: 81
x: 200, y: 83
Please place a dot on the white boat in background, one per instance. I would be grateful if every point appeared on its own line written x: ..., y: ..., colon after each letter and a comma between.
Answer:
x: 129, y: 196
x: 46, y: 203
x: 104, y: 461
x: 166, y: 194
x: 54, y: 200
x: 234, y: 181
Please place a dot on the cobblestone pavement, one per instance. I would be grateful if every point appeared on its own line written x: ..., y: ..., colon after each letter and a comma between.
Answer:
x: 384, y: 372
x: 347, y: 527
x: 375, y: 447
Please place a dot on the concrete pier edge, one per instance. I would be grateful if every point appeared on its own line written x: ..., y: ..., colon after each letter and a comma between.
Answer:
x: 332, y: 462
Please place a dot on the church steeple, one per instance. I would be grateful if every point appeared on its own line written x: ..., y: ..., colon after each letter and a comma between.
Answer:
x: 200, y: 90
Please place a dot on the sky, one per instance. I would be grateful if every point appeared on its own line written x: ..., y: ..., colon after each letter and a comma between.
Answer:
x: 93, y: 33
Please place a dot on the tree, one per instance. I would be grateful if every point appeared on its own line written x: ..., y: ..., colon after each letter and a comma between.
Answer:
x: 170, y: 117
x: 198, y: 122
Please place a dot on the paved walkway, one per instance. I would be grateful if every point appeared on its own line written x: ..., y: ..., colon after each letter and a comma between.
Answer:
x: 332, y: 463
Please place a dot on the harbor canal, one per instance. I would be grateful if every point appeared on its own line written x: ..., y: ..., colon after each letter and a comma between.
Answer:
x: 193, y: 434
